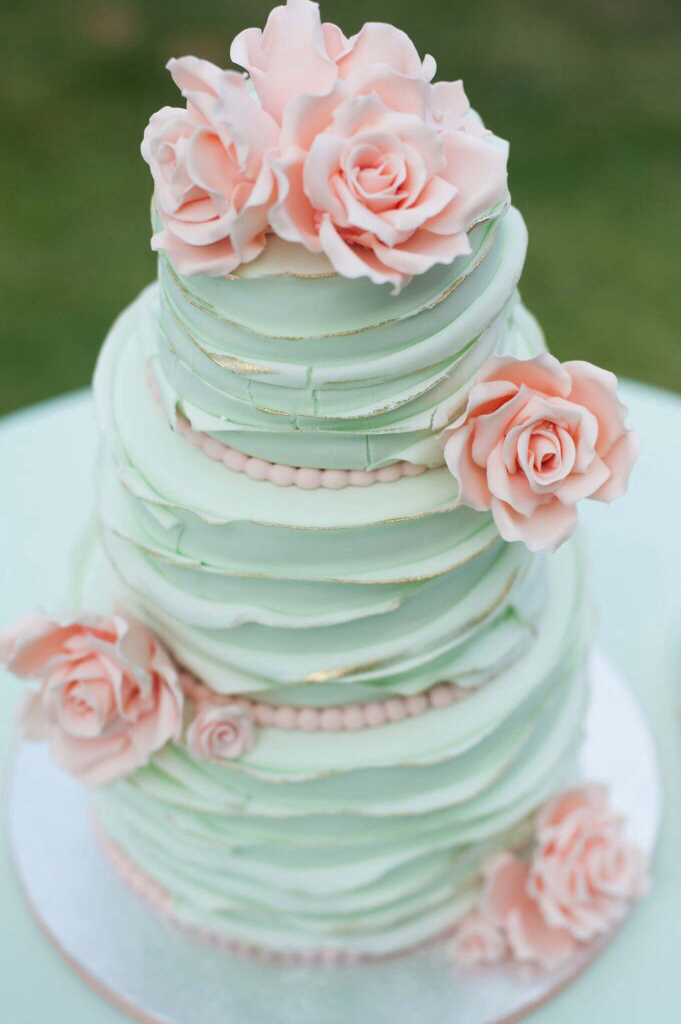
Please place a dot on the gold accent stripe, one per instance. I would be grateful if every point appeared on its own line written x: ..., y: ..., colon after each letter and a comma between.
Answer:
x: 231, y: 363
x: 195, y: 301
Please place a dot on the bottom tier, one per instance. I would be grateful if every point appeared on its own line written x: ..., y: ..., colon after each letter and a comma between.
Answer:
x: 361, y: 842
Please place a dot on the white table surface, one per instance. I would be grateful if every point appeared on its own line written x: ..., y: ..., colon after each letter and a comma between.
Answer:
x: 47, y: 495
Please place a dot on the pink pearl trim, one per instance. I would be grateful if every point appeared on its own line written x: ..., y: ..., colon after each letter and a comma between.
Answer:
x: 307, y: 478
x: 161, y: 901
x: 350, y: 717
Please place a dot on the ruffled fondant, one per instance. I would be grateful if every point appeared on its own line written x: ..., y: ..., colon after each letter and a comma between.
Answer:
x: 316, y: 604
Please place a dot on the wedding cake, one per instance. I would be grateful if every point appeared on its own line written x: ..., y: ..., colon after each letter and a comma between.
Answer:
x: 327, y: 674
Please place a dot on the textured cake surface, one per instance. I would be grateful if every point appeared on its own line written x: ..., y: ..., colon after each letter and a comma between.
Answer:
x: 357, y: 840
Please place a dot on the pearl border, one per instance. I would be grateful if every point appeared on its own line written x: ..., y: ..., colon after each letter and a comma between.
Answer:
x: 305, y: 477
x: 336, y: 718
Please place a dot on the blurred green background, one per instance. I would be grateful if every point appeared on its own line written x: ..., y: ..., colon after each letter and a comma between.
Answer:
x: 588, y: 92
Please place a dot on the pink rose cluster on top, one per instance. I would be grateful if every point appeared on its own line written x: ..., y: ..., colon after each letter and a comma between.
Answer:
x: 108, y: 694
x: 536, y: 437
x: 345, y: 146
x: 579, y: 882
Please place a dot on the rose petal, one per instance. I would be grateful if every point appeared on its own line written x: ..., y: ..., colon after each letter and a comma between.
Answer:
x: 471, y: 478
x: 476, y: 167
x: 596, y: 390
x: 513, y: 489
x: 378, y: 43
x: 306, y: 117
x: 191, y: 74
x: 546, y: 529
x: 216, y: 260
x: 422, y: 251
x: 396, y: 91
x: 292, y: 216
x: 355, y: 261
x: 584, y: 485
x: 620, y: 460
x: 289, y: 57
x: 532, y: 939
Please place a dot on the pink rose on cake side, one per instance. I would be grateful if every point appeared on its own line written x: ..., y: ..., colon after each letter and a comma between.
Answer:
x: 478, y: 941
x: 536, y: 437
x: 584, y: 874
x: 212, y: 187
x: 108, y: 692
x: 579, y: 881
x: 508, y: 904
x: 220, y: 732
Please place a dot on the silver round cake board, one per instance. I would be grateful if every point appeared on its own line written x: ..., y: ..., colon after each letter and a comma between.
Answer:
x: 156, y: 973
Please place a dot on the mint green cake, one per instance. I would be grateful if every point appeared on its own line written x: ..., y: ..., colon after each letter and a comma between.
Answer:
x: 282, y: 503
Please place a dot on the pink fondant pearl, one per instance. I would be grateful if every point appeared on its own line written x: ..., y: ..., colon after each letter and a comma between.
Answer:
x: 417, y: 703
x: 309, y: 479
x: 395, y: 709
x: 257, y: 469
x: 353, y: 717
x: 334, y: 479
x: 374, y: 714
x: 181, y: 425
x: 389, y: 474
x: 441, y: 695
x: 285, y: 718
x: 213, y: 448
x: 264, y: 714
x: 331, y: 719
x: 361, y: 478
x: 193, y: 438
x: 282, y: 476
x: 409, y: 469
x: 234, y: 460
x: 308, y: 719
x: 241, y: 702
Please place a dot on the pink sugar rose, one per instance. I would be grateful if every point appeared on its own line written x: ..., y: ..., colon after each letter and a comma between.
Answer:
x: 536, y: 437
x: 582, y: 877
x: 220, y: 732
x: 108, y: 695
x: 584, y: 873
x: 212, y: 188
x: 477, y: 940
x: 508, y: 905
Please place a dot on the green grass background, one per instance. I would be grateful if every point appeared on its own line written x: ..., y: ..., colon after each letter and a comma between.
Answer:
x: 588, y: 92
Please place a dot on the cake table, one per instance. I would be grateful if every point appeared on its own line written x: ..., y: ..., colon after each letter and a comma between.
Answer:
x: 46, y: 456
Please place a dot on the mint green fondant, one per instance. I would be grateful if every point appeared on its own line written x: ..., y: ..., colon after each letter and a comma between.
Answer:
x: 366, y: 841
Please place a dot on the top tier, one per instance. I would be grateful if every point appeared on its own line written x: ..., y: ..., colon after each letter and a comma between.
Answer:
x: 339, y: 262
x: 343, y: 146
x: 334, y: 239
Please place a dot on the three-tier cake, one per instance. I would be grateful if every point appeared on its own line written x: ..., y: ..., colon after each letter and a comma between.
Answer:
x: 333, y: 661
